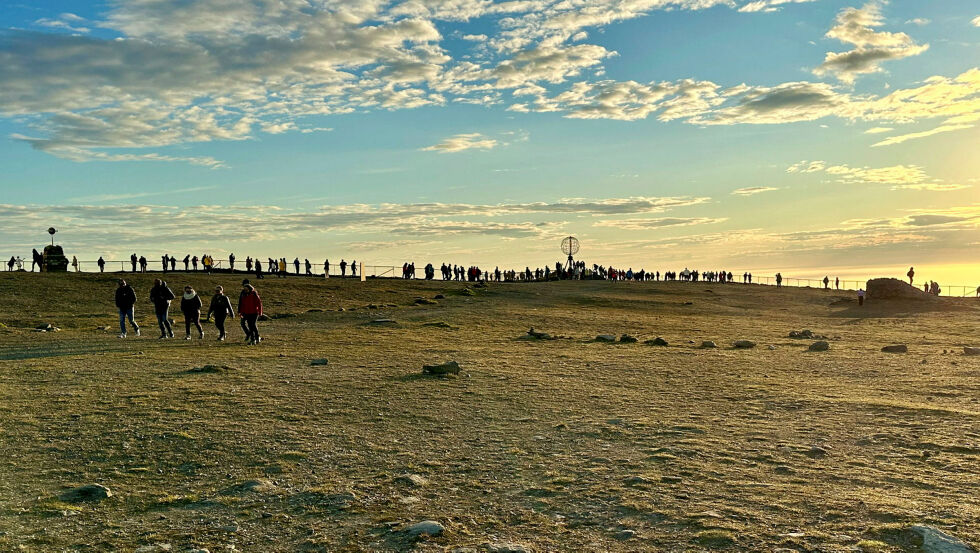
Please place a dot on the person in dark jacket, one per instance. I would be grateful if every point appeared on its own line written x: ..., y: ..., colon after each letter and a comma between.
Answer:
x: 190, y: 306
x: 126, y: 302
x: 249, y: 309
x: 101, y: 263
x: 133, y: 259
x: 221, y: 308
x: 160, y: 296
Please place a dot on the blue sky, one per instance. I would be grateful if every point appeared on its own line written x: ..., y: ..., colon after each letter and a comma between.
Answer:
x: 803, y: 136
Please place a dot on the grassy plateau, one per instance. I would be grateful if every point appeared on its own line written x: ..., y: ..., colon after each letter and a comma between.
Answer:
x: 566, y: 444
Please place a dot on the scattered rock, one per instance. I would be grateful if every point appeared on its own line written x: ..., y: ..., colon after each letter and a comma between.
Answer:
x: 425, y: 301
x: 439, y: 297
x: 319, y: 362
x: 426, y: 528
x: 638, y: 481
x: 506, y: 548
x: 744, y: 344
x: 627, y: 339
x: 783, y: 469
x: 89, y: 492
x: 624, y: 535
x: 411, y: 480
x: 970, y: 351
x: 898, y: 348
x: 772, y: 348
x: 605, y: 338
x: 816, y: 452
x: 658, y: 341
x: 211, y: 369
x: 819, y: 346
x: 251, y: 486
x: 47, y: 327
x: 450, y: 367
x: 229, y: 528
x: 538, y: 335
x: 708, y: 344
x: 805, y: 334
x: 937, y: 541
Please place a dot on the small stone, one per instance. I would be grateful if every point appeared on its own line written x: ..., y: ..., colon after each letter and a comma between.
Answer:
x: 898, y: 348
x: 230, y: 528
x: 605, y: 338
x: 638, y: 481
x: 772, y: 348
x: 624, y: 535
x: 319, y: 362
x: 505, y: 548
x: 708, y: 344
x: 627, y: 339
x: 90, y: 492
x: 658, y: 341
x: 426, y: 528
x: 450, y: 367
x: 744, y: 344
x: 47, y: 327
x: 969, y: 351
x: 439, y: 297
x: 937, y: 541
x: 412, y: 480
x: 819, y: 346
x: 816, y: 452
x: 783, y: 469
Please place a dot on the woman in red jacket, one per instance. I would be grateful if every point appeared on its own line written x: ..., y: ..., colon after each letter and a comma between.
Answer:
x: 249, y: 309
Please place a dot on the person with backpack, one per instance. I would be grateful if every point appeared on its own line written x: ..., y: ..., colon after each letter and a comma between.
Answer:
x: 221, y: 308
x: 190, y: 306
x: 250, y: 309
x: 126, y: 303
x: 160, y: 296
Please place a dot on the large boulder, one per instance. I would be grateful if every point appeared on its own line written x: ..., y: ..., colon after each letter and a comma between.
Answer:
x: 894, y: 289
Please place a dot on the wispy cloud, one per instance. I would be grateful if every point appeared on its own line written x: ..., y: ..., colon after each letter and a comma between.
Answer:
x: 753, y: 190
x: 461, y: 143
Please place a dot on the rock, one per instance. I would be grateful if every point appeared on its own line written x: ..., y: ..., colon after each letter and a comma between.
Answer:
x: 816, y: 452
x: 47, y: 327
x: 898, y: 348
x: 658, y: 341
x: 412, y: 480
x: 627, y: 339
x: 319, y: 362
x: 783, y: 469
x: 605, y: 338
x: 450, y: 367
x: 229, y: 528
x: 251, y: 486
x: 211, y: 369
x: 624, y: 535
x: 425, y: 301
x: 744, y: 344
x: 426, y: 528
x: 467, y: 292
x: 805, y: 334
x: 819, y: 346
x: 894, y: 289
x: 772, y: 348
x: 89, y: 492
x: 971, y: 351
x: 708, y: 344
x: 937, y: 541
x: 638, y: 481
x: 439, y: 297
x: 506, y: 548
x: 538, y: 335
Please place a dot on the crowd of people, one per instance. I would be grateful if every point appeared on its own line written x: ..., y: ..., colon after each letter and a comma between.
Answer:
x: 191, y: 307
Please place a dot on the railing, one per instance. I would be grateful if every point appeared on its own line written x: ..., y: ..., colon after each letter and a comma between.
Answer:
x: 392, y: 271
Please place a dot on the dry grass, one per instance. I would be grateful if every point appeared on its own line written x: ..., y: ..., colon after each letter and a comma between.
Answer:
x: 559, y: 445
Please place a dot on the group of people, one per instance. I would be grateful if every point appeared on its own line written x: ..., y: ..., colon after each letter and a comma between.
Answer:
x: 191, y: 306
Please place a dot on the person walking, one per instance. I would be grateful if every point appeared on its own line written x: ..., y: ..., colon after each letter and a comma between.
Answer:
x: 190, y: 306
x: 10, y: 264
x: 258, y: 269
x: 861, y: 296
x: 249, y: 309
x: 36, y: 259
x: 126, y: 303
x: 160, y: 296
x: 221, y: 309
x: 779, y: 280
x: 165, y: 259
x: 309, y: 268
x: 187, y: 260
x: 101, y: 264
x: 910, y: 274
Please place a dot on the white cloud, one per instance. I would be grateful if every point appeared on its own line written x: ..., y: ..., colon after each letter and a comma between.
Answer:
x: 768, y: 5
x: 878, y: 130
x: 857, y: 26
x: 976, y: 21
x: 462, y: 142
x: 901, y: 177
x: 753, y: 190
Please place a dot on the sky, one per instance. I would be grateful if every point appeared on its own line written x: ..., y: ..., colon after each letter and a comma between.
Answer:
x: 809, y: 137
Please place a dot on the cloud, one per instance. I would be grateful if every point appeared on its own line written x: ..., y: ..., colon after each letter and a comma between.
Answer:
x: 976, y: 21
x: 768, y: 5
x: 753, y: 190
x: 901, y: 177
x: 920, y: 21
x: 662, y: 222
x: 856, y: 26
x: 878, y: 130
x: 462, y: 142
x: 807, y: 167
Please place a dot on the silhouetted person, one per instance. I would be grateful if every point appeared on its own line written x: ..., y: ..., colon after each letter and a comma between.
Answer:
x: 837, y: 283
x: 10, y: 264
x: 826, y: 283
x: 258, y: 269
x: 343, y: 267
x: 231, y: 261
x: 173, y: 263
x: 353, y: 268
x: 296, y: 263
x: 861, y: 296
x: 101, y: 264
x: 309, y: 267
x: 134, y: 260
x: 779, y: 280
x: 142, y: 264
x: 187, y: 261
x: 326, y: 268
x: 166, y: 261
x: 910, y: 274
x: 37, y: 259
x: 194, y: 262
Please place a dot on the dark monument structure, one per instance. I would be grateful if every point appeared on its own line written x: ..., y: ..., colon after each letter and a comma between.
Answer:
x: 54, y: 257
